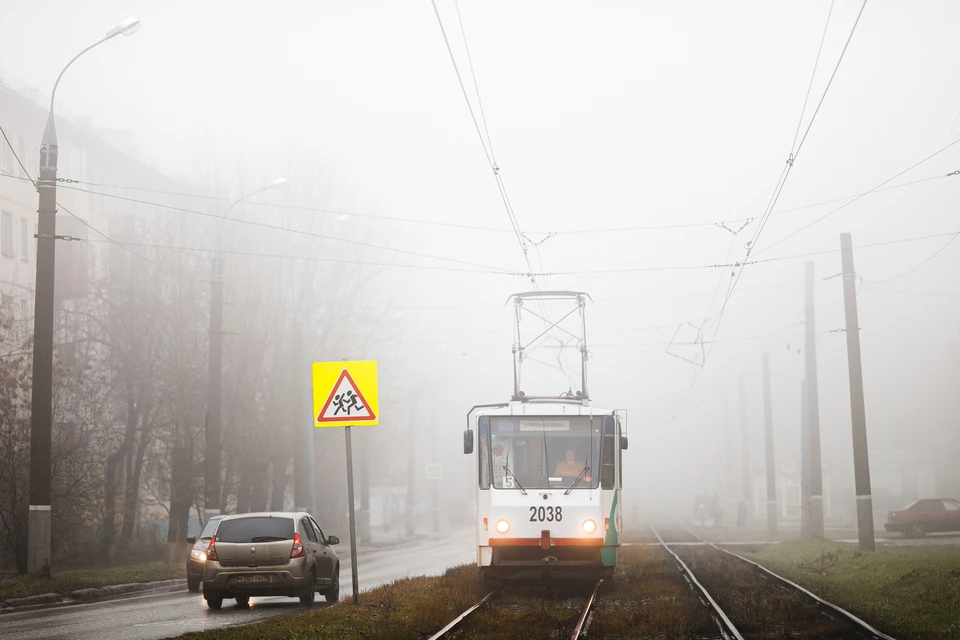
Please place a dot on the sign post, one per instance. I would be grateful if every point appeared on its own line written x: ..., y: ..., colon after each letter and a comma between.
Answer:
x: 345, y: 394
x: 353, y: 519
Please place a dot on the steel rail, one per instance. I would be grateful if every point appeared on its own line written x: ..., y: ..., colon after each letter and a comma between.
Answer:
x: 723, y: 622
x: 456, y: 621
x: 578, y: 630
x: 851, y: 617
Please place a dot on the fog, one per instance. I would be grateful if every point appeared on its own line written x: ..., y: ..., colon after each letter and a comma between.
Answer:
x: 639, y: 144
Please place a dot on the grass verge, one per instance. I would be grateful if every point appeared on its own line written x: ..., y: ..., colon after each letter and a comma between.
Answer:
x: 66, y: 583
x: 905, y: 591
x: 647, y: 599
x: 409, y: 608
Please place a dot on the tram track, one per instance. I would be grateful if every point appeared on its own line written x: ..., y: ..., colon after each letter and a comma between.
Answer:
x: 579, y: 629
x: 748, y: 601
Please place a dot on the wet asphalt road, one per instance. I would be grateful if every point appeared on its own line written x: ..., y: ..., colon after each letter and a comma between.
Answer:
x: 154, y: 616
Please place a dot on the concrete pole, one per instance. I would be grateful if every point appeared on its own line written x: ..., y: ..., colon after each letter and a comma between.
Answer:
x: 305, y: 454
x: 768, y: 438
x: 744, y: 444
x: 41, y: 411
x: 730, y: 475
x: 211, y: 474
x: 861, y: 460
x: 813, y: 410
x: 805, y: 530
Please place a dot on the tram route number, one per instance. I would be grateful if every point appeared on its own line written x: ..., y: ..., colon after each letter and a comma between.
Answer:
x: 548, y: 514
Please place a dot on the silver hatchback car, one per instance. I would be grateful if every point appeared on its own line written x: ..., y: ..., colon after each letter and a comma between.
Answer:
x: 270, y: 554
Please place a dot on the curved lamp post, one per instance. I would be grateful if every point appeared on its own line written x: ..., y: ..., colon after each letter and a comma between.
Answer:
x: 39, y: 522
x: 211, y: 477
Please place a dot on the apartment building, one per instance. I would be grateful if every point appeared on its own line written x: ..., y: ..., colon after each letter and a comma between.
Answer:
x: 98, y: 172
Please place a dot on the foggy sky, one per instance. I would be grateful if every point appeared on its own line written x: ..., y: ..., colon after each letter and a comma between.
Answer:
x: 602, y: 115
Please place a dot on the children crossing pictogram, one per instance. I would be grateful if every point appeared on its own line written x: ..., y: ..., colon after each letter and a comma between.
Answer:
x: 345, y: 402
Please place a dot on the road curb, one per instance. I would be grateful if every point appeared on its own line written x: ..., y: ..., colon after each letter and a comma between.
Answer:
x: 88, y: 596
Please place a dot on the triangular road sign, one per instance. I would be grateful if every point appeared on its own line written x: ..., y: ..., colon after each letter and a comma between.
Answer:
x: 345, y: 402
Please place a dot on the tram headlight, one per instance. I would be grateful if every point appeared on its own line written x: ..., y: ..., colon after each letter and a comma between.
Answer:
x: 502, y: 526
x: 588, y: 526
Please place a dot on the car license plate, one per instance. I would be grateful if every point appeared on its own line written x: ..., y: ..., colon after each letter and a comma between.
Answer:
x: 249, y: 579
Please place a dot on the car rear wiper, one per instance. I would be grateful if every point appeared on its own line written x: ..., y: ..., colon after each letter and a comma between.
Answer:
x: 575, y: 482
x: 519, y: 486
x: 268, y: 538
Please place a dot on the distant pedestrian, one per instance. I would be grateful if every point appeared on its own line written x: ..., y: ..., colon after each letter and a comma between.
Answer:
x: 741, y: 514
x: 716, y: 511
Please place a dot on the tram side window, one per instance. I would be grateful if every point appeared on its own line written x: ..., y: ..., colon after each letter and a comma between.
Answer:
x: 619, y: 459
x: 483, y: 452
x: 607, y: 457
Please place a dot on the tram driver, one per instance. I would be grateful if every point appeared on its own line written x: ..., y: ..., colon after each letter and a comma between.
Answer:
x: 570, y: 467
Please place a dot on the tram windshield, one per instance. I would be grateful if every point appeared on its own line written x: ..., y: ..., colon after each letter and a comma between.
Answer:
x: 544, y: 452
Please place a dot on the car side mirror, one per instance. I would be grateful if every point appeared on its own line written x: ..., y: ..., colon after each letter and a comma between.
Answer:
x: 191, y: 539
x: 468, y: 441
x: 331, y: 540
x: 623, y: 442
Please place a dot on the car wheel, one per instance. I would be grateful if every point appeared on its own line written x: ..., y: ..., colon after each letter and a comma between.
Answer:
x: 333, y: 593
x: 243, y: 600
x: 309, y: 595
x: 214, y: 600
x: 917, y: 530
x: 193, y: 584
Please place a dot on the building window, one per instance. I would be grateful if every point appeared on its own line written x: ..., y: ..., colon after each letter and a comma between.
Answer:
x: 24, y: 308
x: 22, y: 151
x: 6, y: 233
x: 6, y: 158
x: 24, y: 247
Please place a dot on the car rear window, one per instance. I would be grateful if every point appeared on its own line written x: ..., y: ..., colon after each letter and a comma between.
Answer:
x: 209, y: 528
x: 255, y: 529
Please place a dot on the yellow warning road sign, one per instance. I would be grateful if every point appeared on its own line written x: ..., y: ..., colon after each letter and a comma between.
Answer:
x: 345, y: 394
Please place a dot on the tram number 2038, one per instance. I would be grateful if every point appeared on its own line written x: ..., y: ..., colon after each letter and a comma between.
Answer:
x: 546, y: 514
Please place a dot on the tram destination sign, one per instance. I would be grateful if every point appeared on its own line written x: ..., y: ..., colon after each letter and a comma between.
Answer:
x: 544, y: 425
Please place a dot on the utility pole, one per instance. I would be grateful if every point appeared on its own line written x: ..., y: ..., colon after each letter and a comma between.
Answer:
x: 744, y: 442
x: 768, y: 436
x: 434, y: 484
x: 304, y: 455
x: 730, y: 481
x: 411, y: 470
x: 39, y: 518
x: 805, y: 531
x: 41, y: 416
x: 813, y: 410
x: 211, y: 475
x: 861, y: 460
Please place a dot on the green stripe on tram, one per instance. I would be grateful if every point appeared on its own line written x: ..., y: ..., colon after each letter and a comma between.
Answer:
x: 608, y: 554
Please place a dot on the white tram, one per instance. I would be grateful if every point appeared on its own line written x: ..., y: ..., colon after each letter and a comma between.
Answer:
x: 549, y: 484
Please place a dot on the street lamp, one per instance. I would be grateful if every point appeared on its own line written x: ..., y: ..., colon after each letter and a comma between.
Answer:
x: 39, y: 521
x: 211, y: 478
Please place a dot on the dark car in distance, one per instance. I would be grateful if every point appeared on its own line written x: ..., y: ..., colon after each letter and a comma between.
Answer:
x: 929, y: 515
x: 198, y: 554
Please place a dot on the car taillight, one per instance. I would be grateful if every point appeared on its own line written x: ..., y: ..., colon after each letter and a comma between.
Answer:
x: 211, y: 551
x: 298, y: 551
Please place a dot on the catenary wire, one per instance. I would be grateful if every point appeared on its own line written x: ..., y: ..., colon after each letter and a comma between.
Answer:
x: 264, y: 225
x: 785, y: 174
x: 865, y: 193
x: 19, y: 162
x: 740, y: 264
x: 66, y: 183
x: 284, y: 256
x: 922, y: 263
x: 813, y: 75
x: 60, y: 205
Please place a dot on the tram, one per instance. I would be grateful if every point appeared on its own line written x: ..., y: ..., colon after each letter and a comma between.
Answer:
x: 549, y: 480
